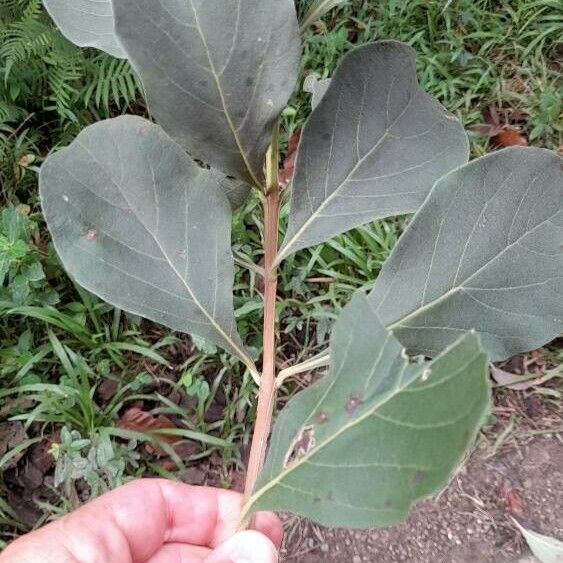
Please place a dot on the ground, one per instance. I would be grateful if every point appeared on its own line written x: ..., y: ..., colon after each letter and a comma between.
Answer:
x: 470, y: 522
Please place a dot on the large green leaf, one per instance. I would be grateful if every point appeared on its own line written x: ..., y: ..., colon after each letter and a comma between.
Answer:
x: 484, y: 252
x: 378, y: 432
x: 139, y: 224
x: 372, y: 148
x: 87, y: 23
x: 217, y: 73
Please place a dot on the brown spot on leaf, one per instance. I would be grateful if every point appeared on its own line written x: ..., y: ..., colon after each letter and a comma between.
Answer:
x: 316, y: 500
x: 91, y: 235
x: 321, y: 417
x: 388, y: 504
x: 329, y: 496
x: 353, y: 402
x: 418, y: 476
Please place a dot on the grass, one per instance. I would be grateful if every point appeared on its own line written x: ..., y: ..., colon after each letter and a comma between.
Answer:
x: 57, y: 357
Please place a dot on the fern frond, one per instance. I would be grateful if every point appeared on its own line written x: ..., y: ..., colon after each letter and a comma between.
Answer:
x: 111, y: 81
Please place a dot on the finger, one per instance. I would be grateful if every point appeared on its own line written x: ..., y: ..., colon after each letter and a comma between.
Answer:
x: 245, y: 547
x: 180, y: 553
x: 270, y: 525
x: 139, y: 518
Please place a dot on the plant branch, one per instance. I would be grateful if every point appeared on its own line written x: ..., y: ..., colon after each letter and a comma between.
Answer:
x: 267, y: 391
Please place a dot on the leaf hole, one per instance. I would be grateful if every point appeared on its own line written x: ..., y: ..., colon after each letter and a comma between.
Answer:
x: 412, y: 359
x: 301, y: 445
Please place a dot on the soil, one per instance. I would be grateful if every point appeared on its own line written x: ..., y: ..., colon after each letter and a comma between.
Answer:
x: 469, y: 522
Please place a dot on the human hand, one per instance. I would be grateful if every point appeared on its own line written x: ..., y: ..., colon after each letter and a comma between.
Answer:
x: 153, y: 521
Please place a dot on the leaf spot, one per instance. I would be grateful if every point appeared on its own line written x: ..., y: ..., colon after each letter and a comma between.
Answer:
x: 418, y: 476
x: 301, y: 445
x: 321, y: 417
x: 353, y: 402
x: 91, y: 235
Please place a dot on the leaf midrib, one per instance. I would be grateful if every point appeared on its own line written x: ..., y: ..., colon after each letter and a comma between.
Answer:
x: 222, y: 97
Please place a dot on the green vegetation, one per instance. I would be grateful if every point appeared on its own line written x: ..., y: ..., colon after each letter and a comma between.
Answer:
x: 70, y: 365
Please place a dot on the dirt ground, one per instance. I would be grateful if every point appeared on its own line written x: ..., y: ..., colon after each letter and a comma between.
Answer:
x: 468, y: 523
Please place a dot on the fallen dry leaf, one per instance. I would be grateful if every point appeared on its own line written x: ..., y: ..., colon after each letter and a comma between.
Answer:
x: 509, y: 137
x: 40, y: 455
x: 138, y: 420
x: 512, y: 500
x: 535, y: 362
x: 502, y: 135
x: 286, y: 173
x: 12, y: 434
x: 522, y: 382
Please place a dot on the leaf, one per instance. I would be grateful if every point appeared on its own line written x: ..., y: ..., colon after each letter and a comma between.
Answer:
x: 318, y: 9
x: 546, y: 549
x: 373, y: 147
x: 217, y: 74
x: 87, y: 23
x: 524, y: 382
x: 138, y: 420
x: 502, y: 135
x: 357, y: 448
x: 136, y: 222
x: 509, y: 137
x: 317, y: 88
x: 484, y: 252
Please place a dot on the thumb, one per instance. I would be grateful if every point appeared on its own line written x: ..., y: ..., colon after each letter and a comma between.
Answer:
x: 245, y: 547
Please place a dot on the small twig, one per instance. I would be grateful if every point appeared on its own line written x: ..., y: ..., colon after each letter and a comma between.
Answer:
x: 320, y: 360
x: 241, y: 261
